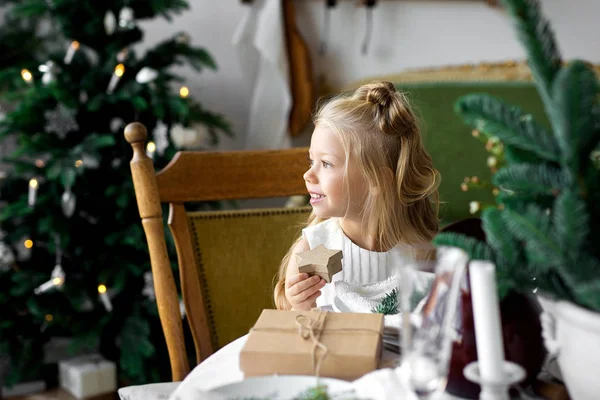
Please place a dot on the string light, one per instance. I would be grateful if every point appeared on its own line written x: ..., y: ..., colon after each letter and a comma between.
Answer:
x: 184, y: 92
x: 116, y: 76
x: 49, y: 317
x: 26, y: 75
x: 104, y: 297
x: 150, y: 149
x: 71, y: 51
x: 78, y: 163
x: 40, y: 163
x: 57, y: 279
x: 32, y: 193
x: 28, y: 243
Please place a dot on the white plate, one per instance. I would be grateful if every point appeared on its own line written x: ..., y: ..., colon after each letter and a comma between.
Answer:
x: 283, y: 387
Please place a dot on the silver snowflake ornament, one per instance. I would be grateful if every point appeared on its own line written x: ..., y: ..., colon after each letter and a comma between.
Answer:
x: 61, y: 121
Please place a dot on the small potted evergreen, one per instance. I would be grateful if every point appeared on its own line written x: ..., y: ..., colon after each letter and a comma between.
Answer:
x: 544, y: 233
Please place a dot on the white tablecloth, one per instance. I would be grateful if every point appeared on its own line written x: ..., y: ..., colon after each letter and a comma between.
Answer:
x: 223, y: 368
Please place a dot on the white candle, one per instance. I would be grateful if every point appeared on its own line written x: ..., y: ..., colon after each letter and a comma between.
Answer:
x: 32, y: 194
x: 71, y: 51
x: 116, y: 76
x: 486, y: 313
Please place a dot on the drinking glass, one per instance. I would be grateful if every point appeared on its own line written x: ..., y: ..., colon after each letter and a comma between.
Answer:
x: 429, y: 329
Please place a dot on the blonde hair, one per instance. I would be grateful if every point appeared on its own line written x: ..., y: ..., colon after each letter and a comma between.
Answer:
x: 381, y: 135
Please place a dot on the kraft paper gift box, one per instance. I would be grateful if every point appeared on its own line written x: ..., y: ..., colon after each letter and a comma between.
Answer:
x: 87, y: 376
x: 281, y: 343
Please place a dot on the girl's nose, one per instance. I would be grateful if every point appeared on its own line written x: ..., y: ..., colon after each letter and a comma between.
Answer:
x: 309, y: 176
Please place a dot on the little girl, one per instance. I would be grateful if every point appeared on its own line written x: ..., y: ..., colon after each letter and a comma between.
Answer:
x: 373, y: 190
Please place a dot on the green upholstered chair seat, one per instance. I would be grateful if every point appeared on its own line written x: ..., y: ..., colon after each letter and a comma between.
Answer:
x: 238, y: 254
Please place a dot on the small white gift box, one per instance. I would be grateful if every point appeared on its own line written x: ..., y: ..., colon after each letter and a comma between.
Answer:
x: 87, y: 376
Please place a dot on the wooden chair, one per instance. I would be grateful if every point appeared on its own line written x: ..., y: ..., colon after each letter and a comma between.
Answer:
x: 222, y: 299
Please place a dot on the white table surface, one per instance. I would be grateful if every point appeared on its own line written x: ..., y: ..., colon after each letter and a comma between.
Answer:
x: 223, y: 368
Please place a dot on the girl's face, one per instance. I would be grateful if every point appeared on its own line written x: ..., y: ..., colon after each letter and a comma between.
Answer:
x: 325, y: 178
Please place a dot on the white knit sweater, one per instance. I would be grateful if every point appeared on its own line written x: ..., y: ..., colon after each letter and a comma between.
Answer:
x: 359, y: 266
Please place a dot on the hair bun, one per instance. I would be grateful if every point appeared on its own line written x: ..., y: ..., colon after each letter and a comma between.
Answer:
x: 381, y: 93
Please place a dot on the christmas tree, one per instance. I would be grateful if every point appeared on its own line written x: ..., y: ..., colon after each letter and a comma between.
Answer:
x: 73, y: 259
x: 543, y: 232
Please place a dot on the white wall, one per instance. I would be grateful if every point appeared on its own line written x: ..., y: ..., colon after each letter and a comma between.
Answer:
x: 407, y: 34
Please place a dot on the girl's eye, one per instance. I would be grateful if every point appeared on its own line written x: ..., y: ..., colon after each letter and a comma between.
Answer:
x: 326, y: 164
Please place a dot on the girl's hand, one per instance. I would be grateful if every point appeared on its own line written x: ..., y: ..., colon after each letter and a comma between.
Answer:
x: 302, y: 291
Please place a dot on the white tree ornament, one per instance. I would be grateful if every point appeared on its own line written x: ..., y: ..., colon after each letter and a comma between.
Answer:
x: 61, y: 121
x: 161, y: 137
x: 146, y: 75
x: 7, y: 257
x: 110, y: 23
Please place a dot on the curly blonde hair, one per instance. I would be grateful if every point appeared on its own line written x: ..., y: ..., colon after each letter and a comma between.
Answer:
x: 380, y: 132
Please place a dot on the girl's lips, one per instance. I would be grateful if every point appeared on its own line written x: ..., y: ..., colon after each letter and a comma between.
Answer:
x: 316, y: 198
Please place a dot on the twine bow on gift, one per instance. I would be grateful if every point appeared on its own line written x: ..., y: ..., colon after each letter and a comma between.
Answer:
x: 306, y: 330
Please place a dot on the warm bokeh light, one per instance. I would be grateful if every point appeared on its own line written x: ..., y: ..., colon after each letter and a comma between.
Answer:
x: 78, y: 163
x: 28, y: 243
x: 101, y: 289
x: 119, y: 70
x: 184, y: 92
x: 151, y: 147
x: 33, y: 183
x: 26, y: 75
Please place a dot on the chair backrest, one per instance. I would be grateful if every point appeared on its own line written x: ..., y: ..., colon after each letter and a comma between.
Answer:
x: 219, y: 292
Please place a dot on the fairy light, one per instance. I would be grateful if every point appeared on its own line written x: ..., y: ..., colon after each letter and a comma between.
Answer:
x: 49, y: 317
x: 73, y: 47
x: 151, y: 149
x: 57, y: 279
x: 184, y: 92
x: 40, y: 163
x: 78, y: 163
x: 26, y: 75
x: 104, y: 297
x: 32, y: 193
x: 28, y: 243
x: 116, y: 76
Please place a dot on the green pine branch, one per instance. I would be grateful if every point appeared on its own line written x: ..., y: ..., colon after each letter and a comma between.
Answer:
x: 571, y: 222
x: 476, y: 249
x: 509, y: 123
x: 136, y: 347
x: 498, y: 236
x: 537, y: 38
x: 531, y: 179
x: 575, y: 93
x: 533, y: 227
x: 588, y: 292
